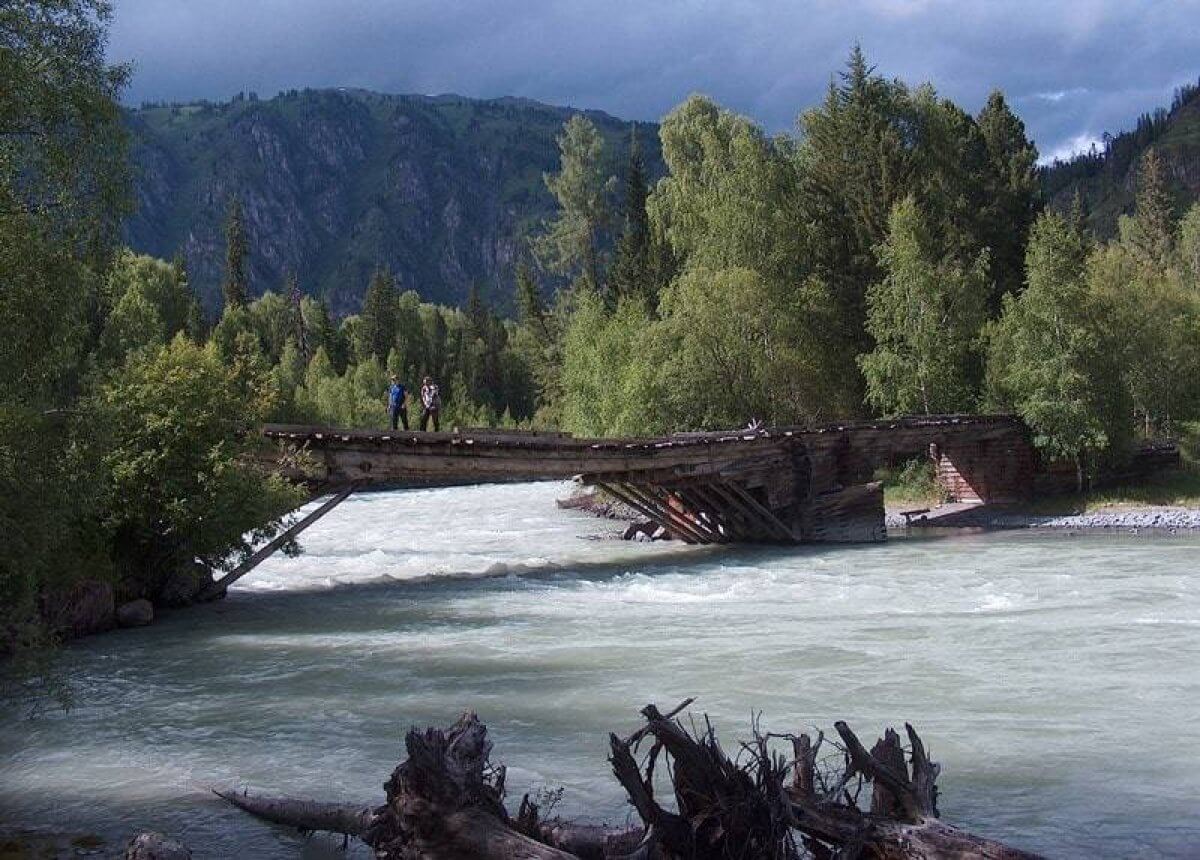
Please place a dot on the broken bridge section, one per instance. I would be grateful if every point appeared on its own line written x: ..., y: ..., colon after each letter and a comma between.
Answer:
x: 776, y: 485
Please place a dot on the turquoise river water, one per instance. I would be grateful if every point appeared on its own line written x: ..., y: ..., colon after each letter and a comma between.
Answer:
x: 1055, y: 677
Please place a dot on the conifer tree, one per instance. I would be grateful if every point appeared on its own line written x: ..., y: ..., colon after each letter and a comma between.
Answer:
x: 236, y: 287
x: 296, y: 304
x: 573, y: 244
x: 631, y: 267
x: 1149, y: 234
x: 378, y: 321
x: 1013, y: 194
x: 196, y: 326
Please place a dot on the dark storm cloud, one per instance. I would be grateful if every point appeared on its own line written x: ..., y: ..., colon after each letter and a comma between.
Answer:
x: 1072, y: 70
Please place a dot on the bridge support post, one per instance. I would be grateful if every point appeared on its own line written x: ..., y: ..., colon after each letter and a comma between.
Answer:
x: 267, y: 550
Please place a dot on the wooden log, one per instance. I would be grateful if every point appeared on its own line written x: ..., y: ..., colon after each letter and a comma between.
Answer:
x: 305, y: 815
x: 676, y: 524
x: 656, y: 514
x: 771, y: 523
x: 675, y: 507
x: 259, y: 556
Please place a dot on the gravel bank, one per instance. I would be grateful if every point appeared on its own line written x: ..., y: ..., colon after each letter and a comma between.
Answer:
x: 1169, y: 519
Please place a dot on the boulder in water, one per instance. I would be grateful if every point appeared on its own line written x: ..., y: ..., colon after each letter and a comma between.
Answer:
x: 135, y: 613
x: 155, y: 846
x: 184, y: 585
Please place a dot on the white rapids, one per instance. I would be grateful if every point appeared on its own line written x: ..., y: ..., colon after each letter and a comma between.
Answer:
x: 1056, y: 678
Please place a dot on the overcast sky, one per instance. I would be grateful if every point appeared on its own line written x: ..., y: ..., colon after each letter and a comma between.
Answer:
x: 1071, y: 70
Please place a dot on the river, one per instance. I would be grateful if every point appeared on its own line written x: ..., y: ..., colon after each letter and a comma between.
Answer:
x: 1056, y: 678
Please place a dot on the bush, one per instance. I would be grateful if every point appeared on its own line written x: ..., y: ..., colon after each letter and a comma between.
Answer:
x: 175, y: 429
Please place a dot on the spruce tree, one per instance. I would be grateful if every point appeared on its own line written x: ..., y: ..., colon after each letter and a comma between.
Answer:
x: 236, y: 288
x: 378, y: 321
x: 296, y: 304
x: 574, y: 241
x: 1012, y: 194
x: 531, y: 309
x: 1149, y: 234
x: 630, y: 271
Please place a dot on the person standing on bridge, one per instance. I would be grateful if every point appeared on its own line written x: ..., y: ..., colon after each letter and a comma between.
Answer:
x: 398, y: 402
x: 431, y: 403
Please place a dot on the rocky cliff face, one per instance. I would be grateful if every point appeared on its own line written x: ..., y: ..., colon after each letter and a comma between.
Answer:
x: 333, y: 183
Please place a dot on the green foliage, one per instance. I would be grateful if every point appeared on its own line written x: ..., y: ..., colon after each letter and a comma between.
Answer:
x: 1013, y: 199
x: 607, y: 378
x: 378, y: 321
x: 632, y: 270
x: 62, y: 144
x: 174, y: 427
x: 735, y: 349
x: 1149, y: 234
x: 153, y: 304
x: 1049, y: 361
x: 574, y: 241
x: 236, y: 287
x: 924, y: 316
x: 873, y: 143
x: 911, y: 482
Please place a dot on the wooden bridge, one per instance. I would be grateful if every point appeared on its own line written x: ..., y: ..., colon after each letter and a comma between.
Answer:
x: 783, y: 484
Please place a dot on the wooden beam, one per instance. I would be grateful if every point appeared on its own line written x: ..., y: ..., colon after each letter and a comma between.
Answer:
x: 773, y: 523
x: 655, y: 515
x: 739, y: 525
x: 705, y: 534
x: 266, y: 551
x: 678, y: 524
x: 709, y: 515
x: 759, y: 527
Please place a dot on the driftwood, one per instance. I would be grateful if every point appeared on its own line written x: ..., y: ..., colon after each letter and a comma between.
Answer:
x: 446, y: 800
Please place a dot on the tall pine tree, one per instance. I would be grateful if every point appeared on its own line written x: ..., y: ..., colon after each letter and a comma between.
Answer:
x: 574, y: 242
x: 631, y: 269
x: 236, y: 288
x: 378, y: 321
x: 1149, y: 234
x: 296, y: 304
x: 1013, y: 194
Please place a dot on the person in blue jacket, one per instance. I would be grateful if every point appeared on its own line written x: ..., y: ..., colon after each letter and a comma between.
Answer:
x: 398, y: 402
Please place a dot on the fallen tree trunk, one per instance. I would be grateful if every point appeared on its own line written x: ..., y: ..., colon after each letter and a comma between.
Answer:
x: 305, y: 815
x: 445, y: 801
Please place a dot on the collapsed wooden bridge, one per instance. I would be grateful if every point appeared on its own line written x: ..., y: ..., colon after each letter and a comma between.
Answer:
x: 775, y: 485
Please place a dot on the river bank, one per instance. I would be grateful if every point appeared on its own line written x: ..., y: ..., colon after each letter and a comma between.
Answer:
x: 1132, y: 519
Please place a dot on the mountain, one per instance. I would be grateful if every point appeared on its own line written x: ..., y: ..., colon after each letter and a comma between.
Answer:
x: 333, y: 183
x: 1105, y: 179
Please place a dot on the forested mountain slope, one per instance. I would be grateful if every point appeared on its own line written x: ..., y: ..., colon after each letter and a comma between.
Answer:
x: 1105, y: 178
x: 336, y: 182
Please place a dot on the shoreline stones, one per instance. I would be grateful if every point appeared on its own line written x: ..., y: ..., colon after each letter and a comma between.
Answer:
x: 1158, y: 519
x: 135, y: 613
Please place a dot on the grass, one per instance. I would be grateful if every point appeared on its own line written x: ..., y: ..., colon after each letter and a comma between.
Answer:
x: 912, y: 484
x: 1178, y: 488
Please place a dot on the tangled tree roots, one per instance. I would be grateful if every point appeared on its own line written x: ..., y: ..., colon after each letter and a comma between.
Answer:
x: 446, y: 802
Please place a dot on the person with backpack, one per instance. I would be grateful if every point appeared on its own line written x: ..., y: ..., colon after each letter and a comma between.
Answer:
x: 398, y: 402
x: 431, y: 403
